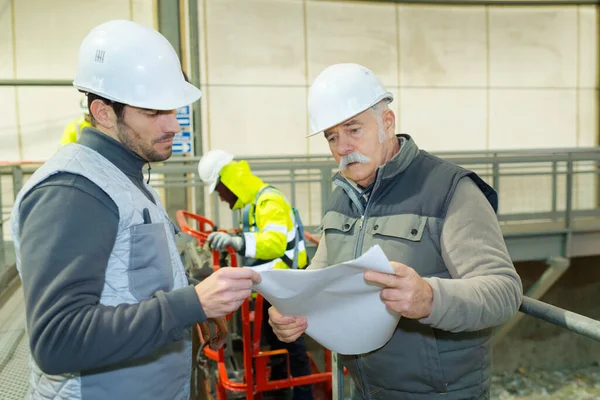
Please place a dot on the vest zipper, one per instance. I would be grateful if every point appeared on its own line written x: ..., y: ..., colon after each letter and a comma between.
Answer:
x: 357, y: 253
x: 358, y: 358
x: 360, y: 239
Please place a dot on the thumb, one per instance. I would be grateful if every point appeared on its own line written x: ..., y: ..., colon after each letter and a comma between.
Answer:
x: 221, y: 241
x: 211, y: 237
x: 256, y: 278
x: 400, y: 269
x: 205, y: 331
x: 237, y: 242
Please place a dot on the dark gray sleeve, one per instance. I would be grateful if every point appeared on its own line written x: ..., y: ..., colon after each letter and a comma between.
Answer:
x: 485, y: 289
x: 192, y: 281
x: 68, y: 228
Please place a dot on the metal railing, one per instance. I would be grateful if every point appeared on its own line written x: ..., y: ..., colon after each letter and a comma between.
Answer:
x: 540, y: 190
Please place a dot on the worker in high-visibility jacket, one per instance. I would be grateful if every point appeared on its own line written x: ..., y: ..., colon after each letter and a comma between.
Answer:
x: 273, y: 234
x: 73, y: 129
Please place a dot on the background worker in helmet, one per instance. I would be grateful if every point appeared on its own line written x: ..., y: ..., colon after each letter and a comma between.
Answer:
x: 108, y: 304
x: 273, y: 235
x: 435, y: 221
x: 73, y: 130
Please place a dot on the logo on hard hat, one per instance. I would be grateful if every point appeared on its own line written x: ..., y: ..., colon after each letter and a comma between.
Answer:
x: 100, y: 56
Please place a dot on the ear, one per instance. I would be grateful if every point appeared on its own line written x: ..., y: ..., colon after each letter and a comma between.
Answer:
x: 389, y: 122
x: 103, y: 114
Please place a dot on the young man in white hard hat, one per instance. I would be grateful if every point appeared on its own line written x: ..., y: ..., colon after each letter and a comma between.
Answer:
x: 73, y: 129
x: 272, y: 237
x: 437, y: 225
x: 108, y: 304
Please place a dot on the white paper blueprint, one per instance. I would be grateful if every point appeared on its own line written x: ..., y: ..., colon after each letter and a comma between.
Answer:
x: 344, y: 313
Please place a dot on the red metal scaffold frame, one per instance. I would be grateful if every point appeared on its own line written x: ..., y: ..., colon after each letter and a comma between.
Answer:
x: 253, y: 358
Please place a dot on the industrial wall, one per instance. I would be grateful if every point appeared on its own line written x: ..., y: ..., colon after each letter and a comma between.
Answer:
x: 40, y: 40
x: 464, y: 77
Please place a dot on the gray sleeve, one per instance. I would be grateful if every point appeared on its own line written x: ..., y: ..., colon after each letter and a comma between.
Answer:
x: 68, y: 228
x: 319, y: 261
x: 485, y: 290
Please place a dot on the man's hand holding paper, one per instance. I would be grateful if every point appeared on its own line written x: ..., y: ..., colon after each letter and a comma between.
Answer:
x: 405, y: 292
x: 337, y: 304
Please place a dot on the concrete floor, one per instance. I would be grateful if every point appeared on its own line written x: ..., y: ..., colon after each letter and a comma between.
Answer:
x: 14, y: 353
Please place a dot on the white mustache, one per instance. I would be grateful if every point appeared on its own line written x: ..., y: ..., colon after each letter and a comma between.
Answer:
x: 353, y: 157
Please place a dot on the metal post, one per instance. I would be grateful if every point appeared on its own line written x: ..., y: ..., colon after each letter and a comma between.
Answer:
x: 195, y: 80
x: 597, y: 180
x: 235, y: 219
x: 169, y: 25
x: 337, y: 377
x: 569, y: 194
x: 216, y: 215
x: 554, y: 185
x: 293, y: 187
x: 168, y: 22
x: 597, y: 102
x: 496, y: 173
x: 325, y: 189
x: 2, y: 253
x: 17, y: 174
x: 569, y: 207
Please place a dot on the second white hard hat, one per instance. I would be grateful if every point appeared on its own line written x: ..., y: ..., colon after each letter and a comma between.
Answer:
x: 341, y: 92
x: 210, y: 165
x: 129, y: 63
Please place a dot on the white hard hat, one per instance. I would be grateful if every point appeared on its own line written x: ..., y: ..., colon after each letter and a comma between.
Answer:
x: 341, y: 92
x: 210, y: 166
x: 129, y: 63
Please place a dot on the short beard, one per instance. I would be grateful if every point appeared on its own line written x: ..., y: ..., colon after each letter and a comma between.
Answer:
x: 133, y: 141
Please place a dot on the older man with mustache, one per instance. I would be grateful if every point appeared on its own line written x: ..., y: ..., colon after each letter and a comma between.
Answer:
x: 435, y: 221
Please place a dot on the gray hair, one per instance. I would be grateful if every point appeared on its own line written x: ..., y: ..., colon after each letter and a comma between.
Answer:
x: 377, y: 110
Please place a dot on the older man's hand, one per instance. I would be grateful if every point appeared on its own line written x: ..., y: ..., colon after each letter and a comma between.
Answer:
x: 287, y: 329
x: 404, y: 292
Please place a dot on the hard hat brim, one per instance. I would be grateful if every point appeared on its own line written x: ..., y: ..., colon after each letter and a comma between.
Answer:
x: 386, y: 95
x: 213, y: 186
x: 188, y: 95
x: 191, y: 95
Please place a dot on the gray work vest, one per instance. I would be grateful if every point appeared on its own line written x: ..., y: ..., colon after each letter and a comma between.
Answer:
x: 404, y: 215
x: 144, y: 260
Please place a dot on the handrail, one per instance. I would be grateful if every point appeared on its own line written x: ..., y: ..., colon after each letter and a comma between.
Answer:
x: 568, y: 177
x: 461, y: 154
x: 565, y: 319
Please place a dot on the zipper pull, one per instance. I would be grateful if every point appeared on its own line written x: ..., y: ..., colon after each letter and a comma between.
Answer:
x: 360, y: 223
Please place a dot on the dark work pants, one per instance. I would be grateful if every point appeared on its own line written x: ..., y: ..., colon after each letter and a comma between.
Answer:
x: 299, y: 362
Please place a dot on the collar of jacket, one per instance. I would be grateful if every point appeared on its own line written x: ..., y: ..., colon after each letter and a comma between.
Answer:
x: 396, y: 165
x: 252, y: 185
x: 126, y: 160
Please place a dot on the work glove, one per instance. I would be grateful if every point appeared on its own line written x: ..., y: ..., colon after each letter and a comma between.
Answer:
x: 220, y: 240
